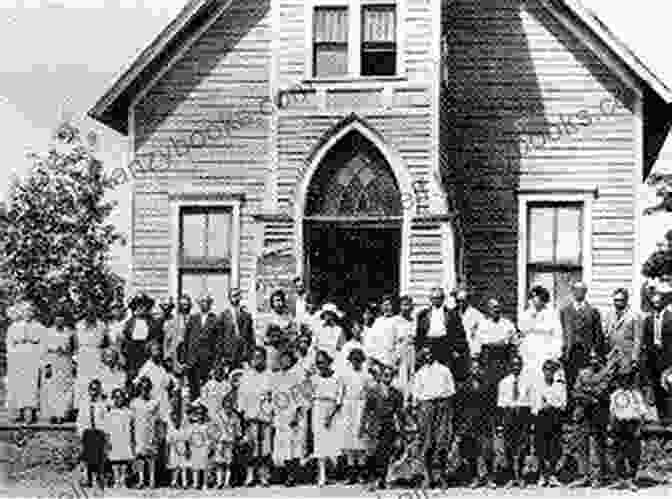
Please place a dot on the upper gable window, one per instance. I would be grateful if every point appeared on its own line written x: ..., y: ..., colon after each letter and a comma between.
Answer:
x: 355, y: 38
x: 330, y: 41
x: 379, y: 34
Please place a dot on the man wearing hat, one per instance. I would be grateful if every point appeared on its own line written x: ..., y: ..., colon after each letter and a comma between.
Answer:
x: 139, y: 331
x: 200, y: 340
x: 657, y: 345
x: 237, y: 340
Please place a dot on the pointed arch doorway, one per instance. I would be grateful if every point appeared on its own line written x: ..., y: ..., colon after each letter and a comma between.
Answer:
x: 353, y: 220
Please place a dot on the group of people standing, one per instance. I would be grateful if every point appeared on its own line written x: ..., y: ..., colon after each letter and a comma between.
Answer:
x: 386, y: 395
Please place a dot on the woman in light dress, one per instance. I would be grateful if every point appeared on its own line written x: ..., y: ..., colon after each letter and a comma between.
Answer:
x: 541, y: 334
x: 24, y: 356
x: 329, y: 336
x: 57, y: 380
x: 91, y: 339
x: 405, y: 346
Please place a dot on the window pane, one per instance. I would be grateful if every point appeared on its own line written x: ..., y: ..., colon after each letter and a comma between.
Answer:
x: 214, y: 284
x: 219, y: 234
x: 331, y: 25
x: 379, y: 62
x: 541, y: 235
x: 569, y: 235
x: 379, y: 24
x: 193, y: 235
x: 331, y: 60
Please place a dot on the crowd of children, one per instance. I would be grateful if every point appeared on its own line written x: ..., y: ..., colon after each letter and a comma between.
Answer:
x: 254, y: 425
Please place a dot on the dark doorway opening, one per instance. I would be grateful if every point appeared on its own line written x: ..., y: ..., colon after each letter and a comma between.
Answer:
x: 352, y: 264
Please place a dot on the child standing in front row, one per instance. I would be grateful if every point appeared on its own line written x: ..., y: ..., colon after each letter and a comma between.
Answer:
x: 514, y: 401
x: 146, y: 413
x: 228, y: 429
x: 90, y: 426
x: 551, y: 401
x: 177, y: 440
x: 627, y: 410
x: 199, y: 446
x: 119, y: 426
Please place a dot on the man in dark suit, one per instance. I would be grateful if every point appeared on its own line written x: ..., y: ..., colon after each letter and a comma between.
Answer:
x: 581, y: 330
x: 440, y: 328
x: 201, y: 338
x: 657, y: 345
x: 237, y: 340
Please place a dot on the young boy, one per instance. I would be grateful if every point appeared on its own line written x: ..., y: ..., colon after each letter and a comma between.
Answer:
x: 475, y: 427
x: 254, y: 403
x: 515, y: 398
x: 627, y: 410
x: 550, y: 403
x: 433, y: 392
x: 591, y: 417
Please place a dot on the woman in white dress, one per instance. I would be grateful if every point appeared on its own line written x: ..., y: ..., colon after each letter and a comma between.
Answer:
x: 329, y: 336
x: 541, y: 334
x: 56, y: 377
x: 24, y: 356
x: 280, y: 329
x: 405, y: 346
x: 91, y: 339
x: 380, y: 342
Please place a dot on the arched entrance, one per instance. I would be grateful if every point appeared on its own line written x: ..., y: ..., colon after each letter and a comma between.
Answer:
x: 353, y: 219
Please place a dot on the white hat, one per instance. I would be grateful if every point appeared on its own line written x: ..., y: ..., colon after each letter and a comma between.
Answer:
x: 331, y: 308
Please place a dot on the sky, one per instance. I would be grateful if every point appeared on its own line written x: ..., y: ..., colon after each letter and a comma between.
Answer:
x: 68, y: 53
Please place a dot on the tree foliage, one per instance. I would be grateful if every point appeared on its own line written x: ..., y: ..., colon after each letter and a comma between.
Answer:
x: 56, y: 239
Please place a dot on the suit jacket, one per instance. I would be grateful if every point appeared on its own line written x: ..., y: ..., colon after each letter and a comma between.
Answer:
x: 238, y: 345
x: 624, y: 333
x: 174, y: 331
x: 134, y: 351
x: 581, y: 327
x: 455, y: 340
x: 658, y: 357
x: 201, y: 340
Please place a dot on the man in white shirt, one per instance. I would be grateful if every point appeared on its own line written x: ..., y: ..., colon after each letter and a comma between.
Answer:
x: 440, y: 328
x: 494, y: 342
x: 471, y: 317
x: 433, y: 392
x: 515, y: 400
x: 300, y: 304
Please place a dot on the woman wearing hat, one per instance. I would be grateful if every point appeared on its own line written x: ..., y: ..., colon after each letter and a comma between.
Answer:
x: 56, y: 378
x: 329, y: 336
x: 139, y: 331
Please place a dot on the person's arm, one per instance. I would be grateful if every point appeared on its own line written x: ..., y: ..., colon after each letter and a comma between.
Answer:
x: 638, y: 336
x: 598, y: 332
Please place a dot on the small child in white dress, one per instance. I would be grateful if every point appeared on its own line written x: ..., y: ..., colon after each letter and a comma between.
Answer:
x: 119, y: 426
x: 199, y: 446
x: 146, y: 416
x: 178, y: 460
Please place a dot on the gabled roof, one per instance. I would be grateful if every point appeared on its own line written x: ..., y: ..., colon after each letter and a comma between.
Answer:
x: 112, y: 108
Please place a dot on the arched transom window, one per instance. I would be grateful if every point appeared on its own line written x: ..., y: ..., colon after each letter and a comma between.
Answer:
x: 354, y: 180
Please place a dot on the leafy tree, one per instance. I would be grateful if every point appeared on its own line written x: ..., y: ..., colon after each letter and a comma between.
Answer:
x: 56, y: 241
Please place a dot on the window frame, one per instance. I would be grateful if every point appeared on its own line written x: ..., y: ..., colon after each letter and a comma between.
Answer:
x: 314, y: 44
x: 582, y: 199
x: 232, y: 204
x: 395, y: 43
x: 355, y: 8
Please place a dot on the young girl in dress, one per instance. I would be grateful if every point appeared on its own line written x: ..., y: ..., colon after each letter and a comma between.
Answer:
x: 355, y: 341
x: 146, y: 417
x: 216, y: 388
x: 356, y: 381
x: 91, y: 429
x: 199, y: 446
x: 228, y: 429
x: 112, y: 376
x: 119, y: 426
x: 255, y: 405
x: 327, y: 402
x: 176, y: 438
x: 288, y: 410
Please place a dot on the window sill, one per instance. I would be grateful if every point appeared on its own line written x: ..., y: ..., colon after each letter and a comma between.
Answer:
x: 353, y: 79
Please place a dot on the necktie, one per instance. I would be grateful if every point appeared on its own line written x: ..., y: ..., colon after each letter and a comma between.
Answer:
x: 516, y: 388
x: 93, y: 419
x: 657, y: 328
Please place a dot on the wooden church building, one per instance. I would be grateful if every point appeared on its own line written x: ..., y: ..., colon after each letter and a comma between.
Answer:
x: 387, y: 146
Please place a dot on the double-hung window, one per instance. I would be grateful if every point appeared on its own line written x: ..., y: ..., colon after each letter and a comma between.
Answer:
x: 555, y: 253
x: 205, y: 251
x: 342, y: 33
